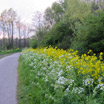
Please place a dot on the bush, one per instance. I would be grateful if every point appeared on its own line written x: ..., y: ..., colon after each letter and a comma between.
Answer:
x: 33, y: 43
x: 60, y: 35
x: 90, y: 34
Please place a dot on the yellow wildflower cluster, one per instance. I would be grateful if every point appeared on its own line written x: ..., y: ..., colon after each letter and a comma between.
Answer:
x: 88, y: 65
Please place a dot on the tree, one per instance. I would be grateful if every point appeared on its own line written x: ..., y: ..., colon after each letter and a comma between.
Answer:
x: 56, y: 29
x: 19, y: 25
x: 60, y: 35
x: 78, y: 9
x: 12, y: 19
x: 57, y: 11
x: 49, y: 18
x: 26, y: 30
x: 33, y: 42
x: 39, y: 24
x: 7, y: 23
x: 90, y: 34
x: 37, y: 20
x: 10, y: 27
x: 3, y: 25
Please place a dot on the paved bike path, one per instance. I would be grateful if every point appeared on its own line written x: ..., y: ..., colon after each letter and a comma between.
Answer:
x: 8, y: 79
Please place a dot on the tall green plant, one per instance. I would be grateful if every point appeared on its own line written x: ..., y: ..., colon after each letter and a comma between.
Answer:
x: 90, y: 34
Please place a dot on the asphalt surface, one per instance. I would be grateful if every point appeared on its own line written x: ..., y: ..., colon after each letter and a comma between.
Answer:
x: 8, y: 79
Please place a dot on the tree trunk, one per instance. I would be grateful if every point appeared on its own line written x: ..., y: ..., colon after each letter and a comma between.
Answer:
x: 12, y: 34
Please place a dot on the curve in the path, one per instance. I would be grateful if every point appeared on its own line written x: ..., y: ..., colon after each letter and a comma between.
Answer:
x: 8, y: 79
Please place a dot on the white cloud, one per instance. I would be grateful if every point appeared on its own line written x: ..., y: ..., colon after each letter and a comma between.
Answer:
x: 25, y: 8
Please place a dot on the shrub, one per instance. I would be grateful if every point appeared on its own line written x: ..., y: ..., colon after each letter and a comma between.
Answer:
x: 60, y: 35
x: 90, y: 34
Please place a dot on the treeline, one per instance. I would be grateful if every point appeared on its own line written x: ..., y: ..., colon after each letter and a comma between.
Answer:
x: 13, y: 33
x: 76, y: 24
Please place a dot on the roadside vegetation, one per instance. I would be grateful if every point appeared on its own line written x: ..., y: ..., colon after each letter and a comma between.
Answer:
x: 56, y: 76
x: 3, y: 52
x: 71, y: 70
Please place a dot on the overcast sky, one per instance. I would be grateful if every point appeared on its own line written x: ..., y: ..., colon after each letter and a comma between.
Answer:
x: 25, y: 8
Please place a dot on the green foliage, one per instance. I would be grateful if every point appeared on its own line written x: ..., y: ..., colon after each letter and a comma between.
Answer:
x: 76, y: 24
x: 90, y: 34
x: 77, y: 9
x: 49, y: 16
x: 57, y: 11
x: 2, y: 52
x: 60, y: 35
x: 79, y: 45
x: 36, y: 40
x: 33, y: 43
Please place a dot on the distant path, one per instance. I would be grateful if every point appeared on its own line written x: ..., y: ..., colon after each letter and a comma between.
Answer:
x: 8, y: 79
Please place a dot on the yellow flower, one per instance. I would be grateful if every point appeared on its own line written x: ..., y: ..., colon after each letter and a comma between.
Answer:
x: 101, y: 53
x: 86, y: 64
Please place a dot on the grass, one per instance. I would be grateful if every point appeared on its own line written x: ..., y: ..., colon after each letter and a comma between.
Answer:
x: 22, y: 82
x: 2, y: 52
x: 5, y: 53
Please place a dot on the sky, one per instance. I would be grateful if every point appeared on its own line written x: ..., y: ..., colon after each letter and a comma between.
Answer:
x: 26, y: 8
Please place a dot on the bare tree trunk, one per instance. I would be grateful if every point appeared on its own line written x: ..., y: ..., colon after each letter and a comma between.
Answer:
x: 16, y: 43
x: 28, y: 40
x: 8, y: 38
x: 0, y: 43
x: 24, y: 33
x: 19, y: 42
x: 4, y: 45
x: 24, y: 42
x: 19, y: 38
x: 12, y: 34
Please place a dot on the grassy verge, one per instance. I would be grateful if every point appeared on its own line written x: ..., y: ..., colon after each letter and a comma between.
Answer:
x: 8, y: 52
x: 22, y: 83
